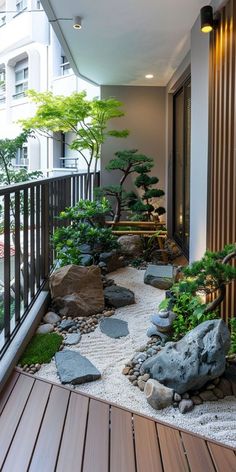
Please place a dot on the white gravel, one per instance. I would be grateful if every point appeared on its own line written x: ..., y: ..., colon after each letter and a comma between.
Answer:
x: 216, y: 420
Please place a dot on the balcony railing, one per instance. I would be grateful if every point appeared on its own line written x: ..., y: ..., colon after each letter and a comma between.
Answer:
x: 28, y: 220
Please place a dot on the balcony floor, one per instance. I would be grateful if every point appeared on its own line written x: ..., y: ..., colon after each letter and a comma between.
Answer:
x: 46, y: 427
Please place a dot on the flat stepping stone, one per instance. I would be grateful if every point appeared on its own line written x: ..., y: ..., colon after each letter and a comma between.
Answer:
x: 117, y: 296
x: 74, y: 368
x: 73, y: 338
x: 114, y: 328
x: 66, y: 324
x: 160, y: 276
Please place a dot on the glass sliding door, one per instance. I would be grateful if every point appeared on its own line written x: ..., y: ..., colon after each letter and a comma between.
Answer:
x: 181, y: 158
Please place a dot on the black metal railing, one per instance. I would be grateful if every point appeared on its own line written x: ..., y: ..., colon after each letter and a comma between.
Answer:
x: 28, y: 220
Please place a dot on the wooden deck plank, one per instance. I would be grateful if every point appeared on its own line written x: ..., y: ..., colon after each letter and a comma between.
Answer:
x: 172, y: 452
x: 147, y: 449
x: 198, y: 454
x: 72, y: 444
x: 122, y: 456
x: 96, y: 455
x: 27, y: 431
x: 223, y: 458
x: 12, y: 412
x: 47, y: 446
x: 8, y: 389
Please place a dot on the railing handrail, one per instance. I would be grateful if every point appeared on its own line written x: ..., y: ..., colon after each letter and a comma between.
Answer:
x: 32, y: 183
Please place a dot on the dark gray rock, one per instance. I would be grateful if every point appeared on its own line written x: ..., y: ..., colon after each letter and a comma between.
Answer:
x: 113, y: 260
x: 74, y: 368
x: 66, y: 324
x: 194, y: 360
x: 159, y: 276
x: 114, y: 328
x: 117, y: 296
x: 85, y: 249
x: 153, y: 331
x: 73, y: 338
x: 86, y: 260
x: 185, y: 406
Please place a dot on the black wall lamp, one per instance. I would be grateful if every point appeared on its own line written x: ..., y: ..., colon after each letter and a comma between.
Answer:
x: 208, y: 22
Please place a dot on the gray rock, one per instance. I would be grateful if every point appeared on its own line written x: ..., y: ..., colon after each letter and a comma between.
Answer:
x: 72, y: 338
x: 85, y: 249
x: 117, y: 296
x: 66, y: 324
x: 159, y: 276
x: 153, y: 331
x: 45, y: 328
x: 51, y: 317
x: 177, y: 397
x: 185, y: 406
x: 131, y: 245
x: 157, y: 395
x: 112, y: 260
x: 86, y: 260
x: 140, y: 357
x: 114, y: 328
x: 194, y: 360
x: 74, y: 368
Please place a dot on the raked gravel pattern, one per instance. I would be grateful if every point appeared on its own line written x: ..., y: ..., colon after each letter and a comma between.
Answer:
x: 216, y: 420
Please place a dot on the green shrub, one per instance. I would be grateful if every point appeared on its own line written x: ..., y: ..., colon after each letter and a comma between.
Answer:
x: 41, y: 348
x: 233, y: 336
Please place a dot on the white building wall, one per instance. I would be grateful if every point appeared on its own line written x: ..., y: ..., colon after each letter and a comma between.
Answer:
x: 29, y: 35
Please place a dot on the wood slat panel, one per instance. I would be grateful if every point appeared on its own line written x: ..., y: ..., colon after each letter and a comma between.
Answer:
x: 224, y: 459
x: 47, y: 445
x: 27, y: 431
x: 122, y: 457
x: 72, y: 444
x: 148, y: 456
x: 12, y: 412
x: 96, y: 456
x: 172, y: 452
x: 7, y: 390
x: 198, y: 454
x: 222, y: 156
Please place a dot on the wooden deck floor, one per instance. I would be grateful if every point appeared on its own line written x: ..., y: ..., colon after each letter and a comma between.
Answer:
x: 46, y: 427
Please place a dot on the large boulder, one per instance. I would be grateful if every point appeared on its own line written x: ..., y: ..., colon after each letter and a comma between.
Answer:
x: 116, y: 296
x: 160, y: 276
x: 77, y: 290
x: 194, y: 360
x: 131, y: 245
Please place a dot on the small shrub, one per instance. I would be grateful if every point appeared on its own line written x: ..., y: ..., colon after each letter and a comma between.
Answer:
x: 41, y: 348
x: 233, y: 336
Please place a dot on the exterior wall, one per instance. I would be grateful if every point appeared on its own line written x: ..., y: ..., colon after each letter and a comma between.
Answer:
x: 29, y: 35
x: 145, y: 116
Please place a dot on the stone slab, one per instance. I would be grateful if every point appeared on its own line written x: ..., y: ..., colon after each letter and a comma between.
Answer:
x: 72, y: 338
x: 74, y: 368
x: 114, y: 328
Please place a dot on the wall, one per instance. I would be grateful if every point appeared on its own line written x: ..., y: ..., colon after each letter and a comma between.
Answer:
x: 144, y: 109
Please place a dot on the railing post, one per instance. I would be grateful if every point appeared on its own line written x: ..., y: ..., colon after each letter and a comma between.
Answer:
x: 7, y: 274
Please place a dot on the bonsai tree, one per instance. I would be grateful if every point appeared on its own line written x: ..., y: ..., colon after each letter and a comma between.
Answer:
x: 127, y: 162
x: 86, y: 119
x: 143, y: 207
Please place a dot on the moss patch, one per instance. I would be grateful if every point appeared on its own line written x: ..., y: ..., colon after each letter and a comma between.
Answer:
x: 41, y: 348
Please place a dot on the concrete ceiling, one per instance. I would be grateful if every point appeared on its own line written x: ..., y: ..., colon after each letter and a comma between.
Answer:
x: 123, y: 40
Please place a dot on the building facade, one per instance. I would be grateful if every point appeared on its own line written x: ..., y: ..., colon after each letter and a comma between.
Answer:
x: 32, y: 58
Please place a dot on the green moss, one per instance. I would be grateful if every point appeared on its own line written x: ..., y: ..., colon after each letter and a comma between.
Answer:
x: 41, y: 348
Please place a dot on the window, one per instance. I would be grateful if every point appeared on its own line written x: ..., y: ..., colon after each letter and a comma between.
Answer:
x: 21, y: 5
x: 65, y: 66
x: 21, y: 78
x: 2, y: 84
x: 22, y: 157
x: 2, y: 13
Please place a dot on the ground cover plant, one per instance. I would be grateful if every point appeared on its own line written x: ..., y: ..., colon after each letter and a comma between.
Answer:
x: 41, y: 348
x: 85, y: 227
x: 208, y: 276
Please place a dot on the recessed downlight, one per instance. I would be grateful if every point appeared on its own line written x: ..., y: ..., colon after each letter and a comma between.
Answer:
x: 149, y: 76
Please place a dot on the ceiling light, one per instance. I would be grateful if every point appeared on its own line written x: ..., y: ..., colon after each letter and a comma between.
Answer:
x: 207, y: 21
x: 77, y: 23
x: 149, y: 76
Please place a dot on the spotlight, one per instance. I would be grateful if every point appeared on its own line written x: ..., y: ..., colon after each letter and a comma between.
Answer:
x: 77, y: 22
x: 207, y: 21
